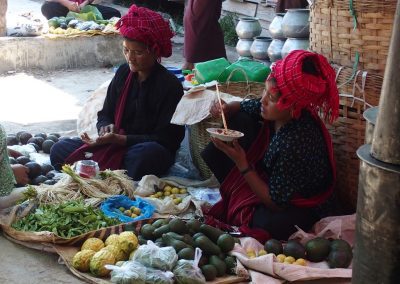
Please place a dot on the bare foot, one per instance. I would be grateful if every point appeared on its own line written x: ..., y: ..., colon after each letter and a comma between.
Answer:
x: 188, y: 66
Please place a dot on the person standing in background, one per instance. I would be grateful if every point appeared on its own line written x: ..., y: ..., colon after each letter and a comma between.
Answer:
x: 204, y: 38
x: 282, y: 5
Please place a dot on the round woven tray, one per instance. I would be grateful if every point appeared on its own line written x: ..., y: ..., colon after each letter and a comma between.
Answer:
x: 340, y: 31
x: 199, y: 137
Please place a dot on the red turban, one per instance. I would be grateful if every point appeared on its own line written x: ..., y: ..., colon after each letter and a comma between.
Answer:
x: 149, y: 27
x: 303, y: 90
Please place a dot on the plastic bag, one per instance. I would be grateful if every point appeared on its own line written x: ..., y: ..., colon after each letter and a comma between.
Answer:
x: 110, y: 208
x: 153, y: 256
x: 88, y: 13
x: 188, y: 271
x: 155, y: 276
x: 245, y: 70
x: 130, y: 272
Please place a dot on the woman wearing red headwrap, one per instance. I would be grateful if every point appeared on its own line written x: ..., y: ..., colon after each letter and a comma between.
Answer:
x: 286, y: 176
x: 134, y: 126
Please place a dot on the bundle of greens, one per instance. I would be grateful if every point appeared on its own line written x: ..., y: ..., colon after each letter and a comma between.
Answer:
x: 66, y: 220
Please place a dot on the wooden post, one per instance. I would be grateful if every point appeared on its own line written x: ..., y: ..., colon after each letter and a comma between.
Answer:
x: 3, y: 11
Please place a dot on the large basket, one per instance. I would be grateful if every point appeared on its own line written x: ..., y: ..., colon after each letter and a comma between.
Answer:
x: 199, y: 137
x: 358, y: 91
x: 341, y: 29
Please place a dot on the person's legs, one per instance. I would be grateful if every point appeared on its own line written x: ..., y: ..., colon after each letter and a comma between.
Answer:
x: 219, y: 163
x: 282, y: 224
x: 108, y: 12
x: 62, y: 149
x: 147, y: 158
x: 53, y: 9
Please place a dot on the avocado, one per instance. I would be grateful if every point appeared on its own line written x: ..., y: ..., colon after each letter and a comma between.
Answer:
x: 46, y: 168
x: 186, y: 253
x: 219, y: 265
x: 38, y: 180
x: 23, y: 160
x: 178, y: 226
x: 207, y: 246
x: 12, y: 161
x: 158, y: 223
x: 211, y: 232
x: 52, y: 138
x: 230, y: 262
x: 12, y: 140
x: 36, y: 140
x: 147, y: 231
x: 195, y: 236
x: 339, y: 258
x: 55, y: 134
x: 317, y: 249
x: 209, y: 271
x: 340, y: 244
x: 184, y: 238
x: 19, y: 134
x: 226, y: 242
x: 24, y: 137
x: 193, y: 225
x: 51, y: 174
x: 43, y: 135
x: 47, y: 145
x: 34, y: 145
x: 176, y: 244
x: 161, y: 230
x: 50, y: 182
x: 273, y: 246
x: 34, y: 169
x: 142, y: 240
x: 295, y: 249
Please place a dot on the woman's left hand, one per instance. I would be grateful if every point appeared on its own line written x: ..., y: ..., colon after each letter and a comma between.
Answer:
x: 233, y: 150
x: 107, y: 138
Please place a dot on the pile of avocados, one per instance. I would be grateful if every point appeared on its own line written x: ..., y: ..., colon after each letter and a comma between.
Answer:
x: 337, y: 252
x: 42, y: 142
x: 185, y: 236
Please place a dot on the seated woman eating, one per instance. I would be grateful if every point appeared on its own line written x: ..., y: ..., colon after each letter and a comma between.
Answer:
x: 134, y: 126
x: 286, y: 176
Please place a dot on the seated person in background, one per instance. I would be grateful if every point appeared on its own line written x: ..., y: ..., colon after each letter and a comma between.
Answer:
x: 286, y: 177
x: 60, y: 8
x: 134, y: 126
x: 10, y: 175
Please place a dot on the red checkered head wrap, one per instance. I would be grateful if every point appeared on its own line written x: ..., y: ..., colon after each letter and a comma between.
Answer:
x: 302, y: 89
x: 149, y: 27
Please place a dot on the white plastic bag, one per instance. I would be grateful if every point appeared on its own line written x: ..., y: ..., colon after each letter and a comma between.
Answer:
x: 188, y: 271
x: 153, y: 256
x: 131, y: 272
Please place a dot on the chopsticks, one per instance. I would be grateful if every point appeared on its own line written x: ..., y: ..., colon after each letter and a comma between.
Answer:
x: 222, y: 112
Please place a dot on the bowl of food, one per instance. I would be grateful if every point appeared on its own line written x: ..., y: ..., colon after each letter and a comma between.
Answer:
x: 226, y: 135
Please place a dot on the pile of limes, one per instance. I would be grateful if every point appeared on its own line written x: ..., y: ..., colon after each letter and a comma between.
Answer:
x: 132, y: 212
x: 170, y: 191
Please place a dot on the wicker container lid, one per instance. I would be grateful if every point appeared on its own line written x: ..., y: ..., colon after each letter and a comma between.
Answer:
x: 340, y: 31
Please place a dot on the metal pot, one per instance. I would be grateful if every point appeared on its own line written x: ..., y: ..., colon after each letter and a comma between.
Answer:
x: 296, y: 23
x: 243, y: 47
x: 275, y: 28
x: 294, y: 44
x: 248, y: 27
x: 260, y: 46
x: 274, y: 49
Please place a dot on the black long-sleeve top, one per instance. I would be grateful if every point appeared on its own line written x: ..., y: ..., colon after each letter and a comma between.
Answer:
x: 149, y: 107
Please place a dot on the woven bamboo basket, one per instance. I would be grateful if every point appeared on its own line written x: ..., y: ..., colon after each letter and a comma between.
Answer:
x: 359, y: 90
x: 340, y: 31
x: 199, y: 137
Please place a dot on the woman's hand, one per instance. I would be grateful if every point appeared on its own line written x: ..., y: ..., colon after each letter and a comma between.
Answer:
x: 73, y: 6
x: 215, y: 109
x: 21, y: 174
x: 234, y: 151
x: 108, y: 138
x: 106, y: 129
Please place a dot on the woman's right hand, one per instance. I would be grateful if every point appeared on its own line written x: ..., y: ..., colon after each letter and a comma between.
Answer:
x: 106, y: 129
x: 215, y: 109
x: 73, y: 6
